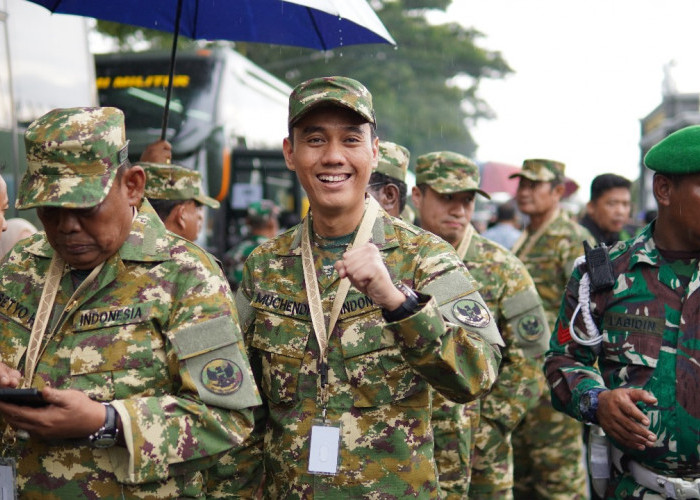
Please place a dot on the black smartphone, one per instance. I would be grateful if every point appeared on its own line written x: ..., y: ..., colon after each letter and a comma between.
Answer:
x: 23, y: 397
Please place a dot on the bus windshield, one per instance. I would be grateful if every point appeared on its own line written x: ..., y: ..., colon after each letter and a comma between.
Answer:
x: 139, y: 87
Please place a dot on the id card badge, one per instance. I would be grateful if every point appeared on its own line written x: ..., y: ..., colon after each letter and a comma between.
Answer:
x: 8, y: 479
x: 324, y: 449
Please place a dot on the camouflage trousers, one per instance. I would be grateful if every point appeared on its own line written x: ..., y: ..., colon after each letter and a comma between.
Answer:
x: 548, y: 455
x: 492, y: 463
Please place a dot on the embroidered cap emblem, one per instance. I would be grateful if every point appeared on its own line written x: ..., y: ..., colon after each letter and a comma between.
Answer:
x: 471, y: 313
x: 530, y: 327
x: 222, y: 376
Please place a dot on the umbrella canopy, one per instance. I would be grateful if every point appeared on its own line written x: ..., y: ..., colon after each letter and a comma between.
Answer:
x: 315, y: 24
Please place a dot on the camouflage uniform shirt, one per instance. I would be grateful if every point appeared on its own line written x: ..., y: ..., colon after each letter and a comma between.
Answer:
x: 510, y: 294
x: 235, y: 258
x: 649, y: 322
x: 155, y: 334
x: 378, y: 372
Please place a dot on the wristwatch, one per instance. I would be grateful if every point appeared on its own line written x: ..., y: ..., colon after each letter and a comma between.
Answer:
x: 588, y: 405
x: 406, y: 309
x: 106, y: 436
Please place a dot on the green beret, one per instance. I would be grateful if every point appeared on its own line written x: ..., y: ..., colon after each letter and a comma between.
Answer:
x: 335, y: 90
x: 447, y: 172
x: 679, y: 153
x: 393, y: 160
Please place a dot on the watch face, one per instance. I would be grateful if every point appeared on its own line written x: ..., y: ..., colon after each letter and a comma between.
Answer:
x: 104, y: 442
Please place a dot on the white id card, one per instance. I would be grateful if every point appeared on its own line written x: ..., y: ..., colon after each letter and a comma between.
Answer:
x: 324, y: 448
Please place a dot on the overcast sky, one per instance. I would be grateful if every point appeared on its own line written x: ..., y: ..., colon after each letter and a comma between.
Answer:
x: 586, y: 72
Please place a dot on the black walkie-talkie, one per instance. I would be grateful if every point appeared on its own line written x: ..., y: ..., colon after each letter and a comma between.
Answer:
x: 599, y: 267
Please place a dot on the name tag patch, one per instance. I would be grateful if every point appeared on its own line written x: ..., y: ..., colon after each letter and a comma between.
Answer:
x: 634, y: 323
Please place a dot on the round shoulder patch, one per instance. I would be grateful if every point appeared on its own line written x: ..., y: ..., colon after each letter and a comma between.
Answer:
x: 222, y: 376
x: 530, y: 327
x: 471, y: 313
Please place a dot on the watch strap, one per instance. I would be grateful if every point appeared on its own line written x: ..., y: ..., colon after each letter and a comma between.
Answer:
x: 406, y: 309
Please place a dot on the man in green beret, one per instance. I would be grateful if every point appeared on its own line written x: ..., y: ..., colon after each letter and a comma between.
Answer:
x: 177, y: 195
x: 473, y: 440
x: 129, y: 332
x: 350, y: 317
x: 262, y: 222
x: 628, y: 360
x: 548, y: 247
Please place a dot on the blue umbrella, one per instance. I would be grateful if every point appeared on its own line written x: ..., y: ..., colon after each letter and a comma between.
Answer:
x: 316, y: 24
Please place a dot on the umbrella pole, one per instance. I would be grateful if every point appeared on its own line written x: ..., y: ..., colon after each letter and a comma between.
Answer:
x: 166, y: 109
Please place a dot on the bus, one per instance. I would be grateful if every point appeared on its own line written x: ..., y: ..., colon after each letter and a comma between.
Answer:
x: 227, y: 120
x: 45, y: 63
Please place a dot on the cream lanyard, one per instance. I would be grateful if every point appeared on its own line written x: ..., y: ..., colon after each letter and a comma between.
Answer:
x: 48, y: 296
x: 466, y: 241
x: 533, y: 238
x: 314, y: 296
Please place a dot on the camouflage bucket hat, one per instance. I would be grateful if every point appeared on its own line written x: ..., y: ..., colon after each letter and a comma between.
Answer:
x: 172, y: 182
x: 448, y: 172
x: 73, y: 155
x: 541, y: 170
x: 393, y: 160
x: 337, y: 90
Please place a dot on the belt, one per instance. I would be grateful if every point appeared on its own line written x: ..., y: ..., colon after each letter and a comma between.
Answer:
x: 671, y: 487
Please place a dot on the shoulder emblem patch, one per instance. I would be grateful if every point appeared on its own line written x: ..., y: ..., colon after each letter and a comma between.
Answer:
x: 471, y: 313
x: 530, y: 327
x: 222, y: 376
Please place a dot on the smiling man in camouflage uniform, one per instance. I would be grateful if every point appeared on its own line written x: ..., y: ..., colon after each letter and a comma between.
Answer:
x: 370, y: 391
x: 640, y: 383
x: 548, y: 247
x: 474, y: 439
x: 141, y: 361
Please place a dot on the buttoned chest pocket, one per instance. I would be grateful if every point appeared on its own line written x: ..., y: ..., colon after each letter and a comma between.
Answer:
x: 118, y: 362
x: 631, y: 339
x: 280, y: 342
x: 377, y: 371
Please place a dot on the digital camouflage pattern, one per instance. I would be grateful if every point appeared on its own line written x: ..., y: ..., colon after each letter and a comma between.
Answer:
x: 649, y: 322
x: 541, y: 170
x: 155, y: 334
x: 378, y: 373
x: 510, y: 294
x: 235, y: 258
x: 336, y: 90
x: 550, y: 471
x: 172, y: 182
x: 448, y: 172
x: 393, y: 160
x: 73, y: 155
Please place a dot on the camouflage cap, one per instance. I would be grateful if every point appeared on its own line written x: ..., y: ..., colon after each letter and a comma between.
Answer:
x: 393, y: 160
x: 73, y: 155
x: 172, y: 182
x: 541, y: 170
x: 447, y: 172
x: 262, y: 209
x: 336, y: 90
x: 679, y: 153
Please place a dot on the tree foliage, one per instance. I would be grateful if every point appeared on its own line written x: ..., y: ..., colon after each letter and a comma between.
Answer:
x: 425, y: 90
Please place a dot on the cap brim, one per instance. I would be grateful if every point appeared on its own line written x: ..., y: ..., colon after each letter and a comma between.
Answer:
x: 330, y: 102
x: 79, y: 191
x: 206, y: 200
x: 452, y: 190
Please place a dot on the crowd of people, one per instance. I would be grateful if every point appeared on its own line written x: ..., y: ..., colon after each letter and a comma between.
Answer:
x: 356, y: 354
